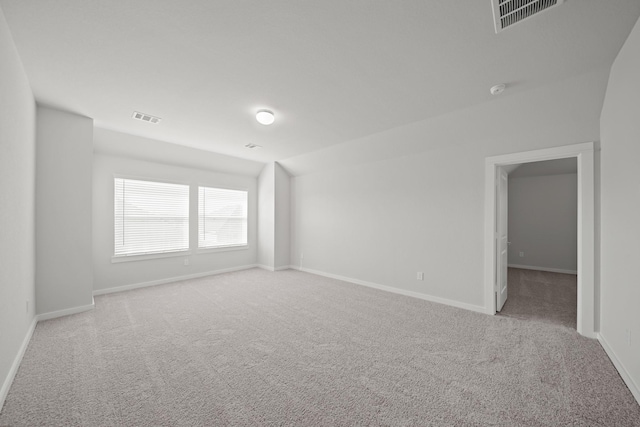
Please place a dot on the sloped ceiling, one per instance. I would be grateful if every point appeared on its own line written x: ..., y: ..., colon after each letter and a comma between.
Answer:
x: 333, y: 71
x: 549, y: 167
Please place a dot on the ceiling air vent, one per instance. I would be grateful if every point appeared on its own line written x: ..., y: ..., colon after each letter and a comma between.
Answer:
x: 509, y: 12
x: 145, y: 117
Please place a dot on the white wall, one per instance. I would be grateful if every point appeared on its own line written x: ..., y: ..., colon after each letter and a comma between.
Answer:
x: 383, y: 221
x: 282, y: 217
x: 64, y: 277
x: 108, y: 275
x: 17, y: 206
x: 620, y: 207
x: 543, y: 222
x: 266, y: 216
x: 274, y: 217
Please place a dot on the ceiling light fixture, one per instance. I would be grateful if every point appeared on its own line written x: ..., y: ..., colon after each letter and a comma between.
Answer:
x: 265, y: 117
x: 498, y: 89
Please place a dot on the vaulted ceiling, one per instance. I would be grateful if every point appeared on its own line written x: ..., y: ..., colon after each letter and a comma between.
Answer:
x: 332, y: 71
x: 544, y: 168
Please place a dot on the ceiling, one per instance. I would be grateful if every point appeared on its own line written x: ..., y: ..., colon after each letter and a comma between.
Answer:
x: 547, y: 167
x: 332, y: 71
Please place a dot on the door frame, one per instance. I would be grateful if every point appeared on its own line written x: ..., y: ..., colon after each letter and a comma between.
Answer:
x: 584, y: 153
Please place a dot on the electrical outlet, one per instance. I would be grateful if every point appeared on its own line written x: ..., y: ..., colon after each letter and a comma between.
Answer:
x: 186, y: 261
x: 521, y: 254
x: 420, y: 275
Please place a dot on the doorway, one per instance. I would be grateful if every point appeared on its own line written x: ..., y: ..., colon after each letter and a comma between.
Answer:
x: 494, y: 259
x: 542, y: 242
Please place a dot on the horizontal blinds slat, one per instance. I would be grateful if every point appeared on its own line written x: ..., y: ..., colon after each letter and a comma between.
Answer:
x: 150, y: 217
x: 222, y: 217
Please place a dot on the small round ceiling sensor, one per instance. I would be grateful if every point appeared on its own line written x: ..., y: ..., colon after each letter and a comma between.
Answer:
x: 265, y: 117
x: 498, y: 89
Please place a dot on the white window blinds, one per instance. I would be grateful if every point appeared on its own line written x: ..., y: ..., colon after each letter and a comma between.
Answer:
x: 150, y: 217
x: 222, y: 217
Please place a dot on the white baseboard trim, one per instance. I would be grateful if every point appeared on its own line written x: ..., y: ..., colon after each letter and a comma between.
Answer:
x: 6, y: 385
x: 171, y: 280
x: 268, y: 268
x: 549, y: 269
x: 635, y: 390
x: 391, y: 289
x: 65, y: 312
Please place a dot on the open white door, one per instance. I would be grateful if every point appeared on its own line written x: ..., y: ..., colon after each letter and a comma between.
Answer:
x: 501, y: 237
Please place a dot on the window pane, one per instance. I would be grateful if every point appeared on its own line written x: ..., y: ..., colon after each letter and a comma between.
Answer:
x: 150, y: 217
x: 222, y: 217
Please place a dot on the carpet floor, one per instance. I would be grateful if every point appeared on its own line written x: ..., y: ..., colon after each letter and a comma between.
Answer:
x: 542, y: 296
x: 288, y: 348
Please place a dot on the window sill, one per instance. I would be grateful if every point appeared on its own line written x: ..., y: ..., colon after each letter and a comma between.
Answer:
x: 129, y: 258
x: 222, y: 249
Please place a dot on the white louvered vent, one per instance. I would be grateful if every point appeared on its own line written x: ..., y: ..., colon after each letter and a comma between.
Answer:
x: 146, y: 117
x: 509, y: 12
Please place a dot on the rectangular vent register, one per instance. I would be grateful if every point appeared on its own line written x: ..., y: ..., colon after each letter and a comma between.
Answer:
x: 509, y: 12
x: 145, y: 117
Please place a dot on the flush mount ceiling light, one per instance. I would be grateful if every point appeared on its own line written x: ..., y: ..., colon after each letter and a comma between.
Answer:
x: 498, y: 89
x: 265, y: 117
x: 146, y: 117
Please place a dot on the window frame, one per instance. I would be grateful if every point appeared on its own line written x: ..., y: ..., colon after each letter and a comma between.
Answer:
x: 226, y: 248
x: 147, y: 256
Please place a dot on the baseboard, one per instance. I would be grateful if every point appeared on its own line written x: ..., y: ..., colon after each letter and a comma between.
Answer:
x: 268, y: 268
x: 171, y: 280
x: 624, y: 374
x: 65, y: 312
x: 6, y: 385
x: 391, y: 289
x: 549, y: 269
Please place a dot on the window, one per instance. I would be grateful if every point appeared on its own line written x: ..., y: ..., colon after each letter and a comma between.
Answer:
x: 222, y: 217
x: 150, y: 217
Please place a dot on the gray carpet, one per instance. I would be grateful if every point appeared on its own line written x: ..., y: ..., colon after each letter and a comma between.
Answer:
x: 542, y: 296
x: 288, y: 348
